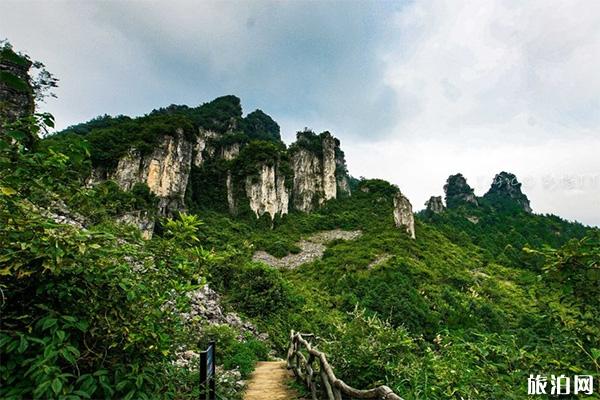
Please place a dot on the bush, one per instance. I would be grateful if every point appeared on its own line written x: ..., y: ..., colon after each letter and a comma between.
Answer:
x: 260, y: 290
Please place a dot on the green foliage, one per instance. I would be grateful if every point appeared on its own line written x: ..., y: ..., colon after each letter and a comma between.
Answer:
x: 378, y: 186
x: 183, y: 230
x: 368, y: 349
x: 220, y: 115
x: 234, y: 353
x: 99, y: 122
x: 309, y: 141
x: 83, y: 310
x: 260, y: 126
x: 460, y: 312
x: 259, y: 291
x: 39, y: 83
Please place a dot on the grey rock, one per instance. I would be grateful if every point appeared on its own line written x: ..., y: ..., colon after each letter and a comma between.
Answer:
x: 458, y: 192
x: 403, y: 214
x: 318, y: 177
x: 435, y: 205
x: 507, y: 189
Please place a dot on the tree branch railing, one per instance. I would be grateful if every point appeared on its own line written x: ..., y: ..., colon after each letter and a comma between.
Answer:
x: 317, y: 375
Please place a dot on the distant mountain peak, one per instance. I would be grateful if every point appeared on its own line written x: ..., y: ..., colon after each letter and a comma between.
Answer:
x: 459, y: 192
x: 506, y: 187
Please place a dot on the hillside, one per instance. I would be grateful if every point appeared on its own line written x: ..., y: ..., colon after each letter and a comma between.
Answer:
x: 127, y: 244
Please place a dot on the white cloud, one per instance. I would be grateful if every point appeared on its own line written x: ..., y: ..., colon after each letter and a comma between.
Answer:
x: 492, y: 64
x: 490, y: 85
x: 415, y: 91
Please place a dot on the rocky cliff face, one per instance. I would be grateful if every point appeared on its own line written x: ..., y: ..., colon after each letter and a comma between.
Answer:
x: 202, y: 147
x: 267, y: 193
x: 458, y: 192
x: 319, y: 171
x: 403, y: 214
x: 506, y: 189
x: 435, y: 205
x: 220, y: 160
x: 165, y: 170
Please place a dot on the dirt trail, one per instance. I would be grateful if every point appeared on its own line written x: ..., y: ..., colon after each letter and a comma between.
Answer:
x: 269, y: 382
x: 311, y: 249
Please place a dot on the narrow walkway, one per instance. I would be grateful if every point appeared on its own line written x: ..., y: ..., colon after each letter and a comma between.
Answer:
x: 269, y: 381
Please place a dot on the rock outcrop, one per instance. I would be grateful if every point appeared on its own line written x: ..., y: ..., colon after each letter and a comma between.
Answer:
x: 267, y: 193
x: 165, y: 170
x: 202, y: 147
x: 435, y: 205
x: 16, y: 93
x: 228, y: 164
x: 319, y: 170
x: 403, y: 214
x: 458, y: 192
x: 141, y: 219
x: 506, y: 189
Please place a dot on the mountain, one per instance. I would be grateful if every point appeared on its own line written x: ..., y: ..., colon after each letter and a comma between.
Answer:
x: 211, y: 157
x: 128, y: 244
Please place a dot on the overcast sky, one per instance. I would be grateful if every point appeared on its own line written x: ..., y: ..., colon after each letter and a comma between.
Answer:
x: 415, y: 90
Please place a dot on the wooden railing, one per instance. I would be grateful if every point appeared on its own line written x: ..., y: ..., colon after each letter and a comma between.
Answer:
x: 315, y: 372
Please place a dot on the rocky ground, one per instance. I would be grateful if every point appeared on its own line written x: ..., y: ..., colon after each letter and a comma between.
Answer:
x: 206, y: 309
x: 312, y: 248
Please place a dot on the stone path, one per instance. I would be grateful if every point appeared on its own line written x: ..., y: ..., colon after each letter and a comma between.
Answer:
x: 269, y: 382
x: 311, y: 248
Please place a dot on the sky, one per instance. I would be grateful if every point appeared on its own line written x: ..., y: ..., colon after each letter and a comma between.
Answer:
x: 415, y: 90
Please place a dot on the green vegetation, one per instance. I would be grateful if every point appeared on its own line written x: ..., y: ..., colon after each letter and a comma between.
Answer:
x: 95, y: 312
x: 482, y: 298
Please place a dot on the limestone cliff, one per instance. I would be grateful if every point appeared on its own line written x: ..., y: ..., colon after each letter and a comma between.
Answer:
x: 222, y: 161
x: 403, y: 214
x: 506, y: 189
x: 267, y: 193
x: 318, y: 169
x: 165, y: 170
x: 458, y: 192
x: 202, y: 147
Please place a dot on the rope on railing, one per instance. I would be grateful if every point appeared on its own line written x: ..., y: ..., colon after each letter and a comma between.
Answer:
x: 323, y: 379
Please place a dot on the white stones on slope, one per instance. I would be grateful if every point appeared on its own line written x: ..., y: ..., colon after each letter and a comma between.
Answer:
x: 206, y: 310
x: 205, y: 306
x: 140, y: 219
x: 403, y: 214
x: 311, y: 249
x: 267, y: 193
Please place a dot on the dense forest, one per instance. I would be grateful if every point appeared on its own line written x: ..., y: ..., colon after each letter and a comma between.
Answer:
x: 486, y: 294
